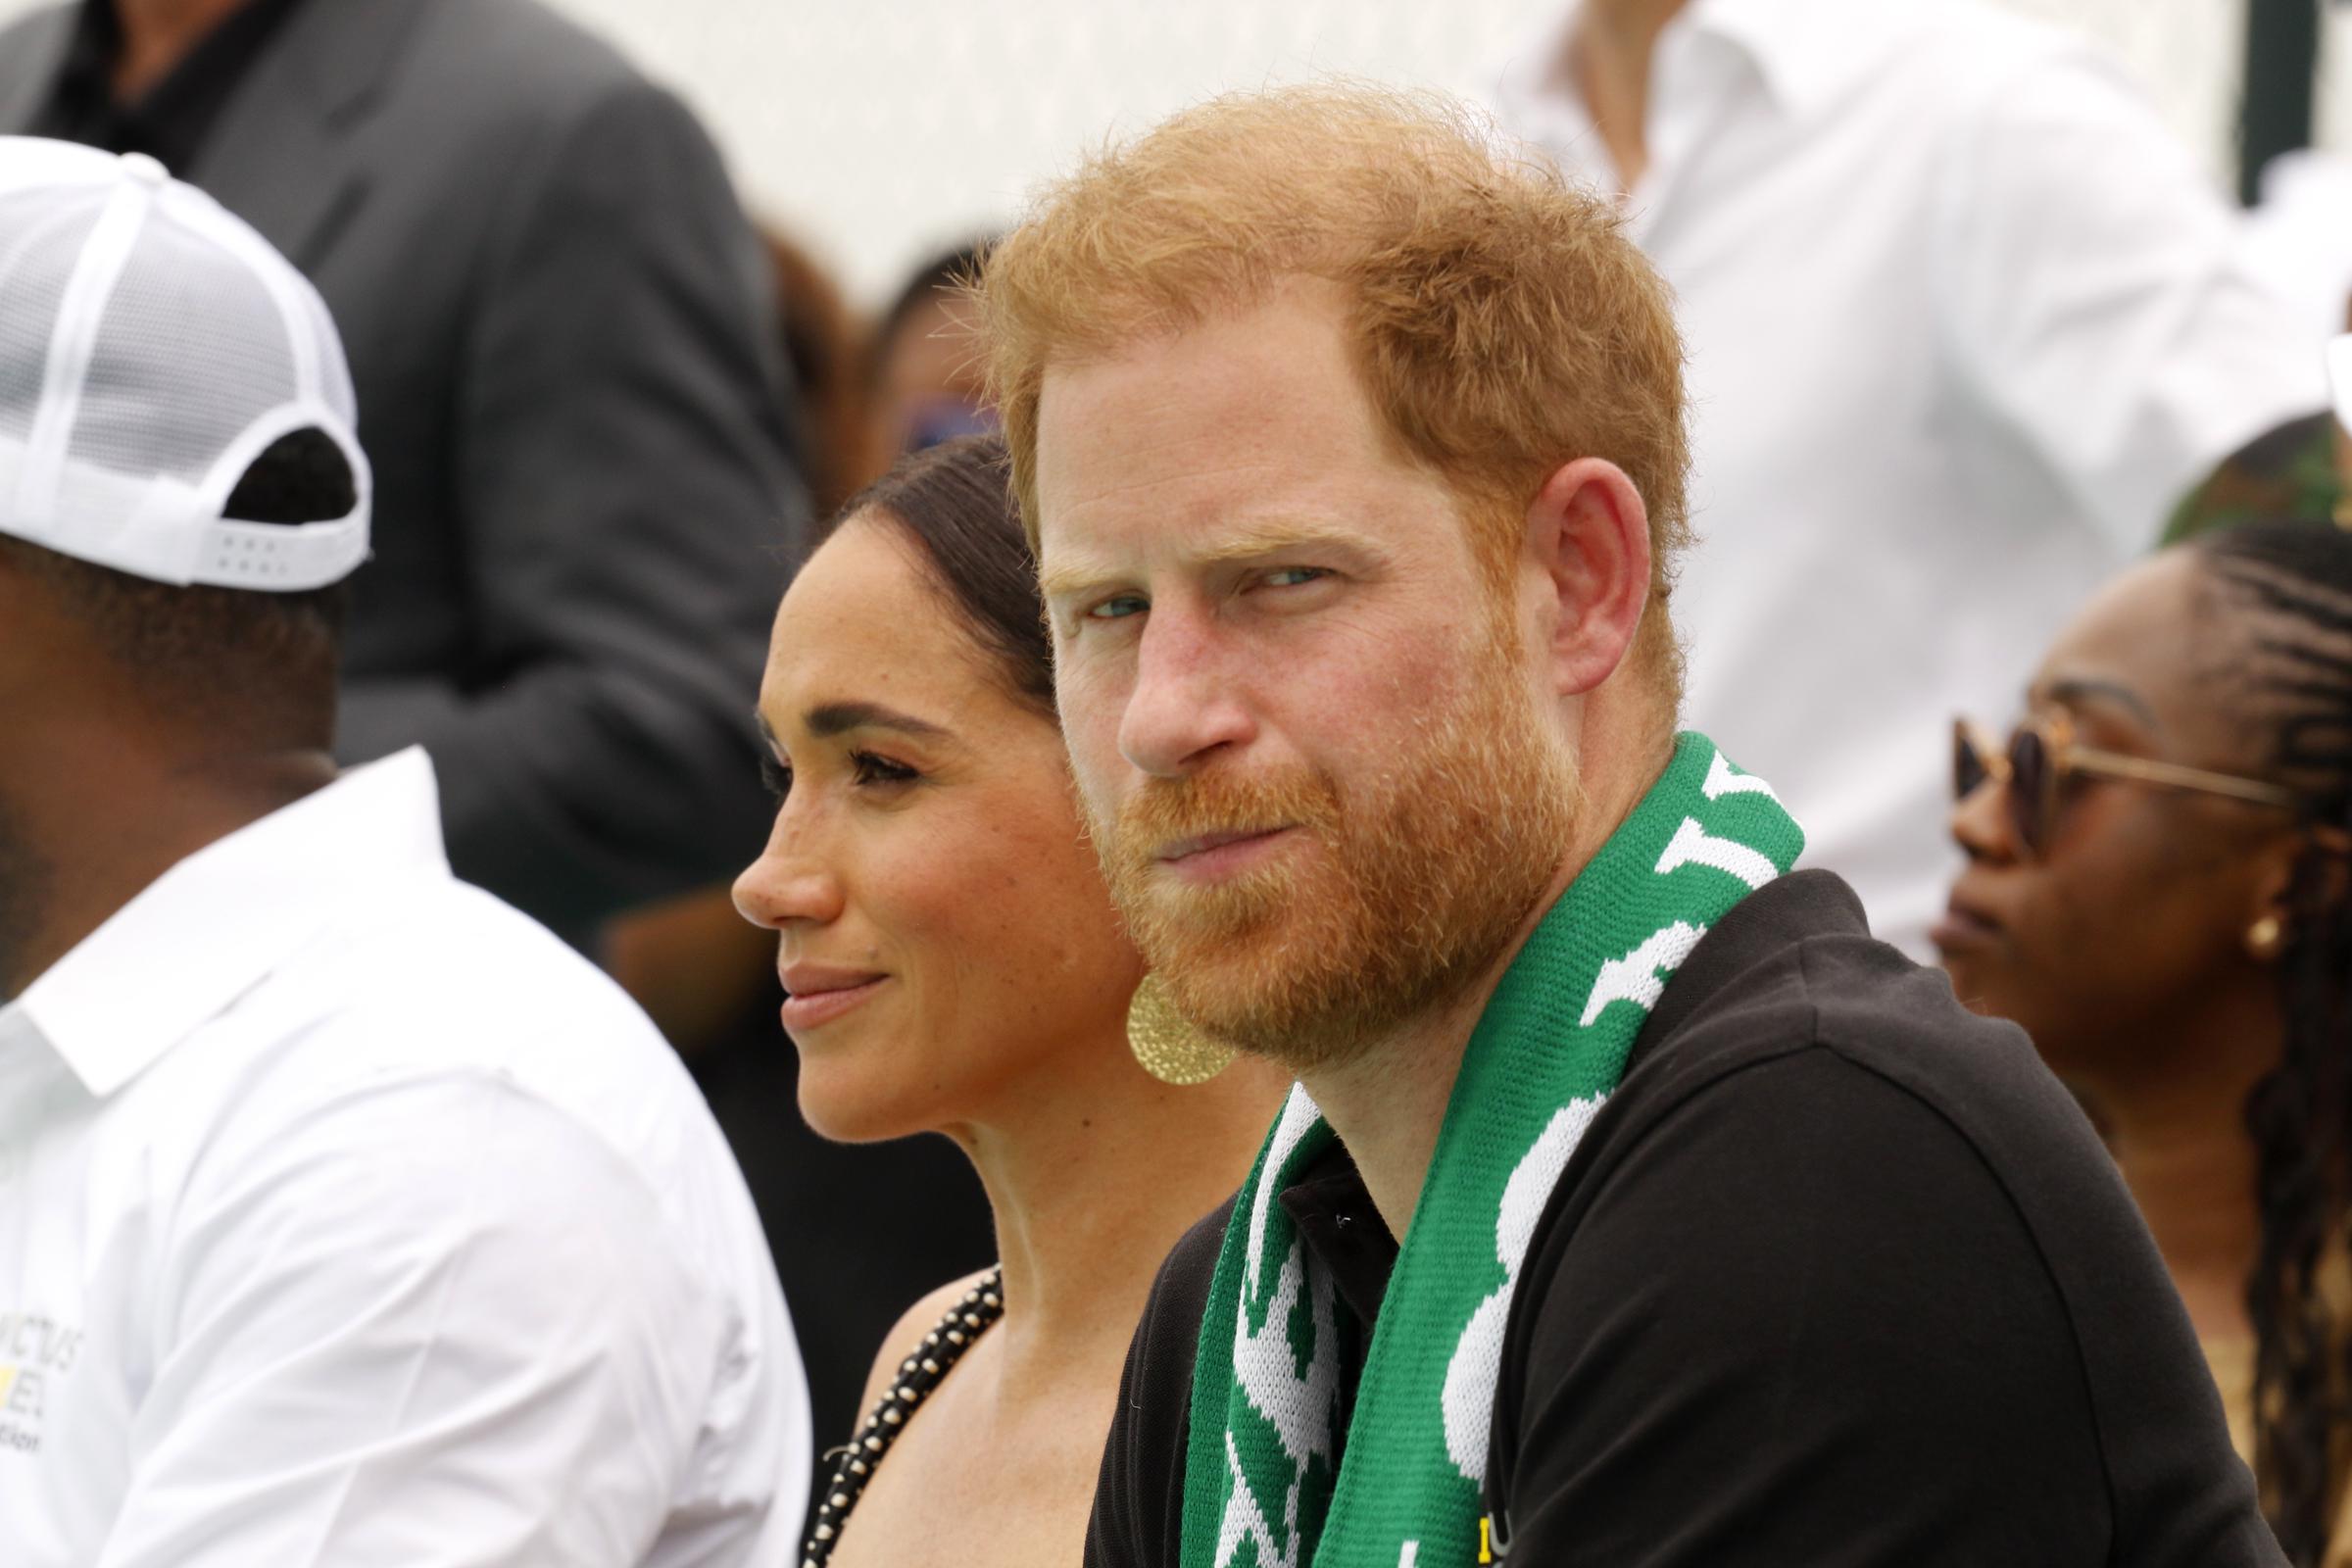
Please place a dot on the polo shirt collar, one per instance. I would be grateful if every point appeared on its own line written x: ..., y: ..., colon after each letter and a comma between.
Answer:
x: 222, y: 920
x: 1332, y: 1207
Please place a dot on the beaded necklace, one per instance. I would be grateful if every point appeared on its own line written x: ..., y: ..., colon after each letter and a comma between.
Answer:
x: 918, y: 1378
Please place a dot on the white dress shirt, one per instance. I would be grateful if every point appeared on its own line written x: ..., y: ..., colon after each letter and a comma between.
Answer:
x: 1964, y: 324
x: 349, y: 1218
x: 2300, y: 238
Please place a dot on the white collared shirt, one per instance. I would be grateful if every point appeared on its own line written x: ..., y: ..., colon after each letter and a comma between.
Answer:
x: 348, y: 1217
x: 1964, y: 324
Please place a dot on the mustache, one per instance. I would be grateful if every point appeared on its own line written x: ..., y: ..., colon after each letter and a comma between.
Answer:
x: 1167, y: 809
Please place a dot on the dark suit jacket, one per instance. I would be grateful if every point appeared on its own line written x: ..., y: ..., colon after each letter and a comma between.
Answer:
x: 558, y: 324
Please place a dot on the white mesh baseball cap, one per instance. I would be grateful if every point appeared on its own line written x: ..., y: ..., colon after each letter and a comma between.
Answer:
x: 152, y: 346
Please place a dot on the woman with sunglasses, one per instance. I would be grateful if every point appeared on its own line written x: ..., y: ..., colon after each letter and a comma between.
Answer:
x: 2156, y: 888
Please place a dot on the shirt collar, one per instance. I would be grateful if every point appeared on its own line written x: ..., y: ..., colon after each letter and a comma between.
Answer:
x: 222, y: 920
x: 1332, y: 1207
x: 1804, y: 51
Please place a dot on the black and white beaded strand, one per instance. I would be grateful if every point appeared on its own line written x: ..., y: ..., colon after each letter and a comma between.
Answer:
x: 919, y: 1376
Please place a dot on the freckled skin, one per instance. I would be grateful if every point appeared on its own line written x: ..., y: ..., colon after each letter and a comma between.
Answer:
x: 968, y: 885
x: 1253, y: 588
x: 1237, y: 422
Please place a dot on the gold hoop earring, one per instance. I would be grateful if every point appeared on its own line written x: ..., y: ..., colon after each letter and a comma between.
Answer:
x: 2265, y: 937
x: 1171, y: 1048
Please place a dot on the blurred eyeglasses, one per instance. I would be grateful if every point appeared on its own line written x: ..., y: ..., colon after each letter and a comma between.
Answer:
x: 2042, y: 759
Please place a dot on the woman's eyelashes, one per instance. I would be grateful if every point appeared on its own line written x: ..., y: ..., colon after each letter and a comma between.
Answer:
x: 867, y: 770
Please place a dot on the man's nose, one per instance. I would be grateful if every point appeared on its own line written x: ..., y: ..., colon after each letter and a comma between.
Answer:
x: 1186, y: 704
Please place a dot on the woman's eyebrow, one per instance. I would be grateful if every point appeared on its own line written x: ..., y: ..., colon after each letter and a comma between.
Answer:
x: 828, y: 720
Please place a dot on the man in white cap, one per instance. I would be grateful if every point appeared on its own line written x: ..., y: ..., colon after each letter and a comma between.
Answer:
x: 346, y: 1215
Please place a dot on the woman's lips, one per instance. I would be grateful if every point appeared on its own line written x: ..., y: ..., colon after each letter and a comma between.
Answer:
x: 814, y: 1006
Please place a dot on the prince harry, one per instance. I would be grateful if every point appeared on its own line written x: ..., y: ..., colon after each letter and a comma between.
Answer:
x: 1634, y: 1206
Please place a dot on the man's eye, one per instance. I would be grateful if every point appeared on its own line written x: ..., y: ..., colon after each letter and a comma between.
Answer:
x: 1294, y: 576
x: 776, y: 776
x: 868, y: 768
x: 1120, y: 606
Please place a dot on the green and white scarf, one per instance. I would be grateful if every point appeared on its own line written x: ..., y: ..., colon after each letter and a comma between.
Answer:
x: 1264, y: 1486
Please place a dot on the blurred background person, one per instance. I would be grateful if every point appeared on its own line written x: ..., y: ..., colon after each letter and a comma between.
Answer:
x: 1965, y: 324
x: 955, y: 966
x: 560, y: 327
x: 2158, y: 888
x: 824, y: 342
x: 923, y: 383
x: 346, y: 1215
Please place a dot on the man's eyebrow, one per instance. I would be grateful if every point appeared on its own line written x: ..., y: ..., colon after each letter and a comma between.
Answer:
x: 1273, y: 538
x: 1250, y: 542
x: 828, y: 720
x: 1064, y: 580
x: 2080, y: 692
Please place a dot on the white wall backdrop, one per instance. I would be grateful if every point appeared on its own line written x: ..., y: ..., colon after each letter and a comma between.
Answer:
x: 876, y: 131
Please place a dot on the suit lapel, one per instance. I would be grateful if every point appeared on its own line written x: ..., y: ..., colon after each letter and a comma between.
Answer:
x: 281, y: 155
x: 36, y: 49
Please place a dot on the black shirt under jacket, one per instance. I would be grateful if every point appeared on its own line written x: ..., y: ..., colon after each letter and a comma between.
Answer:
x: 172, y: 120
x: 1840, y: 1276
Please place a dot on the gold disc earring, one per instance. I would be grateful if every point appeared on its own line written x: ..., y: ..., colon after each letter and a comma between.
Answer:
x: 2263, y: 937
x: 1171, y: 1048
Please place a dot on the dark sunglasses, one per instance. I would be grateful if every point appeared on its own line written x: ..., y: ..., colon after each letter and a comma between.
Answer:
x: 2041, y: 758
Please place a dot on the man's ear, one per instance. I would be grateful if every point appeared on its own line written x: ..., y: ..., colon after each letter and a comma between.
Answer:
x: 1588, y: 532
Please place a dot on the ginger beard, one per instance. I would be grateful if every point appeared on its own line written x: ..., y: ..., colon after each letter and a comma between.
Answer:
x: 1413, y: 885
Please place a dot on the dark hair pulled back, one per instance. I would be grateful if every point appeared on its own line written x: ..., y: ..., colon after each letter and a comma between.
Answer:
x: 953, y: 502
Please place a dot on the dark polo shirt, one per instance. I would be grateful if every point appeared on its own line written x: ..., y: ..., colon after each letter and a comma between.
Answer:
x: 1840, y: 1275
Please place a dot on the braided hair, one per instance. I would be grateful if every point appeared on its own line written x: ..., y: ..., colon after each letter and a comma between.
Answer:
x: 2294, y: 675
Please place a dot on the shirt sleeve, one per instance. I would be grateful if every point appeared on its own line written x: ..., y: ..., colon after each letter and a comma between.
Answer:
x: 626, y: 500
x: 432, y: 1324
x: 2096, y: 295
x: 1801, y: 1322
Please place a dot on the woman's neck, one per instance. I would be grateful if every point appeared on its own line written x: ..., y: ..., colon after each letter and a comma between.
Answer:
x: 1093, y: 1174
x: 2179, y: 1138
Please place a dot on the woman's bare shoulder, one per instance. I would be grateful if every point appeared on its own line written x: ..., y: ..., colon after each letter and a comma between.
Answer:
x: 907, y: 1333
